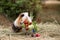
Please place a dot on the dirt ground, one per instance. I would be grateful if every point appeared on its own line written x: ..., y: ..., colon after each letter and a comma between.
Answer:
x: 48, y: 31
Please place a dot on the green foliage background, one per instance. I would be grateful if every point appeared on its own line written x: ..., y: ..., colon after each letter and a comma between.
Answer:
x: 12, y: 8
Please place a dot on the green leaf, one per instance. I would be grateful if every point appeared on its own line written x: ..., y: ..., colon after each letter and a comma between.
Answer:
x: 35, y: 27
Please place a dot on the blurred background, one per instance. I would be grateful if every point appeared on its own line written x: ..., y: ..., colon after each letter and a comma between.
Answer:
x: 45, y: 12
x: 42, y: 10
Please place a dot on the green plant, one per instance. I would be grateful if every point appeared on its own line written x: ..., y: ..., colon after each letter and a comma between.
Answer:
x: 13, y: 8
x: 35, y: 26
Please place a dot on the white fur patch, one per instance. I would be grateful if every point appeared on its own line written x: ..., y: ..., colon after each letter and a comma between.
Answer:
x: 26, y: 16
x: 23, y: 18
x: 25, y: 13
x: 16, y: 22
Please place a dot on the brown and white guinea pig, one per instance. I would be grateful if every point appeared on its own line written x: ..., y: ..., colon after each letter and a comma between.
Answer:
x: 22, y: 18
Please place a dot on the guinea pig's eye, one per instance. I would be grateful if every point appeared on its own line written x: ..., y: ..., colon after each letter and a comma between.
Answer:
x: 22, y: 15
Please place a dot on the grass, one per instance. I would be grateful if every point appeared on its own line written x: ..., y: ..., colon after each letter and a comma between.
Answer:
x: 48, y: 31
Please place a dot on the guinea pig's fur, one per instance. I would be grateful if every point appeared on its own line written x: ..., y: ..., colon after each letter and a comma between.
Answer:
x: 17, y: 24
